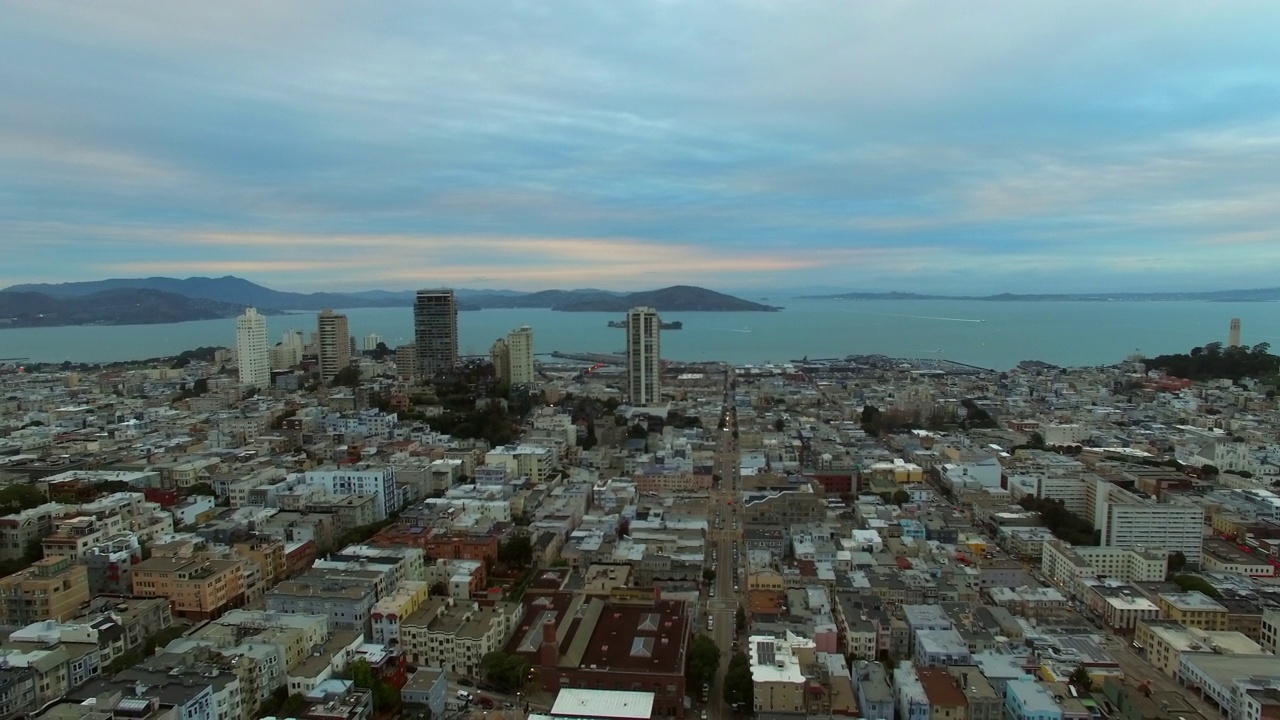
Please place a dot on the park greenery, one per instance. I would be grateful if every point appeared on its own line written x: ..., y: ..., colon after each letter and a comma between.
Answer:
x: 1064, y: 524
x: 516, y: 551
x: 876, y: 422
x: 1213, y: 361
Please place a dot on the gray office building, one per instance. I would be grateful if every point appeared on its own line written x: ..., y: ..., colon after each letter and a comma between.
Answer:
x: 435, y: 331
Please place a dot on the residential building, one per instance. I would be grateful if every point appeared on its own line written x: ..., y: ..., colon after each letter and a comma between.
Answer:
x: 52, y: 588
x: 253, y: 352
x: 455, y: 635
x: 347, y: 602
x: 333, y: 344
x: 644, y: 357
x: 428, y: 687
x: 1193, y: 610
x: 982, y: 700
x: 776, y: 672
x: 358, y: 480
x: 200, y: 587
x: 435, y: 331
x: 946, y: 699
x: 1027, y: 699
x: 519, y: 368
x: 1127, y: 520
x: 110, y: 564
x: 1164, y: 641
x: 392, y: 610
x: 1068, y: 565
x: 21, y: 530
x: 875, y: 694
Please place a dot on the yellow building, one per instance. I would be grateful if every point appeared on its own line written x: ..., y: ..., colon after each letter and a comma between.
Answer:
x: 50, y: 589
x: 198, y: 587
x: 900, y: 471
x: 1164, y: 642
x: 267, y: 553
x: 1193, y: 610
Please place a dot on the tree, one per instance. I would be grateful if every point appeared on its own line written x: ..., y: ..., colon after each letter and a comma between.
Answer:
x: 440, y: 589
x: 703, y: 661
x: 590, y: 440
x: 348, y: 376
x: 200, y: 488
x: 779, y: 425
x: 739, y: 690
x: 1036, y: 441
x: 740, y: 619
x: 1209, y: 471
x: 386, y: 697
x: 506, y: 672
x: 1080, y: 677
x: 901, y: 497
x: 1177, y: 561
x: 708, y: 575
x: 516, y: 551
x: 1195, y: 583
x: 638, y: 432
x: 17, y: 498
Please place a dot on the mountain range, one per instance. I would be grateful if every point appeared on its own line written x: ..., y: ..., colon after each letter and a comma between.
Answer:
x: 1248, y: 295
x: 164, y: 300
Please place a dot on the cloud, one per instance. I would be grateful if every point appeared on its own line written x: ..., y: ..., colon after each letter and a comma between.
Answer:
x: 1007, y: 147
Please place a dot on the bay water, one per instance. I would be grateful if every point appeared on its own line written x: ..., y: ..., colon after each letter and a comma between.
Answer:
x: 984, y: 333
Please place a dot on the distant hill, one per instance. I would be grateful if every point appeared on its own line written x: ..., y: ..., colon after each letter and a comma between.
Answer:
x: 1251, y: 295
x: 677, y: 298
x: 118, y: 306
x: 227, y: 289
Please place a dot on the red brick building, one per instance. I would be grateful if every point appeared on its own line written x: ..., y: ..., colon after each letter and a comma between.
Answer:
x: 437, y: 545
x: 629, y: 640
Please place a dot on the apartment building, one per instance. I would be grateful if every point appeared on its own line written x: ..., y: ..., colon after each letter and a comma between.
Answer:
x: 644, y: 357
x: 946, y: 699
x: 874, y: 692
x: 435, y: 332
x: 51, y: 588
x: 777, y: 674
x: 1069, y: 565
x: 394, y: 609
x: 200, y: 587
x: 268, y: 554
x: 529, y: 461
x: 21, y: 530
x: 110, y: 564
x: 455, y: 635
x: 1127, y: 520
x: 1164, y: 642
x: 783, y: 507
x: 359, y: 480
x: 347, y: 602
x: 334, y: 344
x: 1193, y: 610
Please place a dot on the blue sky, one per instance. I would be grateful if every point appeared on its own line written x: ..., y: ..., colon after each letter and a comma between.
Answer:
x: 915, y: 146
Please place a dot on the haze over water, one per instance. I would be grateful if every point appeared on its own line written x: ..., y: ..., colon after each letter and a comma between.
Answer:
x: 1063, y: 333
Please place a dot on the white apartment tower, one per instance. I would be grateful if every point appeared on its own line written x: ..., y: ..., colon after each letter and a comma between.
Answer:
x: 644, y: 356
x: 334, y: 341
x: 253, y: 354
x: 520, y: 356
x: 435, y: 331
x: 371, y: 342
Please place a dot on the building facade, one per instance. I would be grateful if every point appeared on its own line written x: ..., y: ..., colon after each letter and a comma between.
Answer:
x: 334, y: 344
x: 253, y: 353
x: 644, y: 356
x: 435, y: 331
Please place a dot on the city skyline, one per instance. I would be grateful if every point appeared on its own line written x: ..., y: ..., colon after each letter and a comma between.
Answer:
x: 1066, y: 148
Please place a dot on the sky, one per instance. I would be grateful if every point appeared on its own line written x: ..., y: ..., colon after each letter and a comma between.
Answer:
x: 914, y: 146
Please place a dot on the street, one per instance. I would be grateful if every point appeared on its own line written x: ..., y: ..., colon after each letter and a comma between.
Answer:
x: 724, y: 504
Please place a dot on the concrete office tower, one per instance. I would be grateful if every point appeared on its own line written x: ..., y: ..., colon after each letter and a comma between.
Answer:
x: 644, y: 356
x: 253, y: 354
x: 1233, y: 338
x: 334, y: 341
x: 520, y: 356
x: 371, y: 342
x: 435, y: 331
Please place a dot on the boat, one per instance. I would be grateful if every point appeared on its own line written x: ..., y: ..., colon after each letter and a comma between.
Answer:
x: 673, y: 325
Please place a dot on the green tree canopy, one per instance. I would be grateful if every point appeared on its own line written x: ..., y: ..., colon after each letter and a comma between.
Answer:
x: 739, y: 690
x: 505, y: 672
x: 516, y: 551
x: 1195, y: 583
x: 1177, y: 561
x: 703, y: 661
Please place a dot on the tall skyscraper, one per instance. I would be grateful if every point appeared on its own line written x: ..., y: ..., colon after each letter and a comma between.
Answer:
x: 435, y: 331
x: 253, y: 354
x: 644, y: 356
x: 334, y: 340
x: 520, y: 356
x: 1233, y: 338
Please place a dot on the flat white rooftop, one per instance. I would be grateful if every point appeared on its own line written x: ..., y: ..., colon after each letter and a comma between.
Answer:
x: 584, y: 703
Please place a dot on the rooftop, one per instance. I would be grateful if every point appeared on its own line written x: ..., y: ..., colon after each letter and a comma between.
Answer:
x: 584, y: 703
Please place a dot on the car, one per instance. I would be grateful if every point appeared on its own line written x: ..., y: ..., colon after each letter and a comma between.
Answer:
x: 464, y: 696
x: 704, y: 714
x: 464, y: 682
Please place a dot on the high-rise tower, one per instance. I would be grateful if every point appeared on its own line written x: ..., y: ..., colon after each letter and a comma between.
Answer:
x: 435, y: 331
x: 334, y: 341
x: 1233, y: 337
x: 253, y: 354
x: 520, y: 356
x: 644, y: 356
